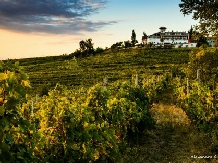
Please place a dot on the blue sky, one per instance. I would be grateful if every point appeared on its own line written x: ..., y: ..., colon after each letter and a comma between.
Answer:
x: 53, y: 27
x: 143, y: 15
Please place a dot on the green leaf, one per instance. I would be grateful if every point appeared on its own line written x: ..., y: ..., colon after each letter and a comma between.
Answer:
x: 3, y: 76
x: 17, y: 63
x: 2, y: 110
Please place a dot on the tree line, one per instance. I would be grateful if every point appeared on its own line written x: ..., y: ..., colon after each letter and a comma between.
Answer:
x: 86, y: 47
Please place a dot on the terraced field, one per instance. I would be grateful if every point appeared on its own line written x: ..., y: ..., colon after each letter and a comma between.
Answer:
x: 120, y: 64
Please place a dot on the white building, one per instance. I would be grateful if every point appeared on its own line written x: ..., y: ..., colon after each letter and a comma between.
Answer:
x: 164, y: 37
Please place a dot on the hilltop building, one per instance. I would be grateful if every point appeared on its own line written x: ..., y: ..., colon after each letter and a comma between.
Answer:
x: 169, y: 38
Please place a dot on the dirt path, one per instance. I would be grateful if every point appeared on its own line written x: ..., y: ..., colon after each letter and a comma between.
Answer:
x: 173, y: 140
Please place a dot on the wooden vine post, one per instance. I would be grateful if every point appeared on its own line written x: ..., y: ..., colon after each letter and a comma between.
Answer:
x: 105, y: 82
x: 136, y: 79
x: 198, y: 76
x: 36, y: 98
x: 187, y: 86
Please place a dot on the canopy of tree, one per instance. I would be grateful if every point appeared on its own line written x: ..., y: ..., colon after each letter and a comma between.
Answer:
x: 206, y: 11
x: 86, y: 47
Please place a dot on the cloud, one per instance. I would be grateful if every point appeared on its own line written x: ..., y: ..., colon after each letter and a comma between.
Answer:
x: 51, y: 16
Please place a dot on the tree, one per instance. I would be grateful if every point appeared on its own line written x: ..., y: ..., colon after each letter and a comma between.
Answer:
x: 117, y: 45
x: 89, y: 46
x: 127, y: 44
x: 144, y: 35
x: 162, y: 40
x: 86, y: 47
x: 198, y: 37
x: 82, y: 45
x: 206, y: 59
x: 133, y: 38
x: 190, y: 32
x: 99, y: 50
x: 144, y: 38
x: 206, y: 11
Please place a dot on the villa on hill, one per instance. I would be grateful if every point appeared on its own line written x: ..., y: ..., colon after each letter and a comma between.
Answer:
x: 169, y: 38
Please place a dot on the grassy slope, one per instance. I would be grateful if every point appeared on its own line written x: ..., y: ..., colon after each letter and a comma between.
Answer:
x: 173, y: 139
x: 115, y: 65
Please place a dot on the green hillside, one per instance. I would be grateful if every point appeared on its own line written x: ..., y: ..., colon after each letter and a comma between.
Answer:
x: 45, y: 72
x: 161, y: 119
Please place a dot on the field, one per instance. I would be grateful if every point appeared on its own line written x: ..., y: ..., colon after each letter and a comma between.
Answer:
x: 122, y: 64
x: 156, y: 116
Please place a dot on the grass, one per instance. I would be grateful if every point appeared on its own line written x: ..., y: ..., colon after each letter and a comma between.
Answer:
x: 85, y: 72
x: 173, y: 140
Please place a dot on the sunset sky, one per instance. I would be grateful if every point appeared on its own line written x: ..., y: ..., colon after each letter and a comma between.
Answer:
x: 30, y: 28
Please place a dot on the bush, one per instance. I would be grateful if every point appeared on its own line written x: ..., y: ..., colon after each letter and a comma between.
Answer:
x: 206, y: 59
x: 99, y: 50
x: 90, y: 126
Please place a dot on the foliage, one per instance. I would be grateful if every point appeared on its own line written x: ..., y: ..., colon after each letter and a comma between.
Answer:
x: 98, y: 124
x: 155, y: 86
x: 161, y: 40
x: 200, y: 104
x: 88, y: 71
x: 89, y: 126
x: 86, y: 47
x: 204, y: 11
x: 69, y: 64
x: 127, y: 44
x: 133, y: 38
x: 198, y: 37
x: 206, y: 59
x: 145, y: 36
x: 15, y: 131
x: 99, y: 50
x: 117, y: 45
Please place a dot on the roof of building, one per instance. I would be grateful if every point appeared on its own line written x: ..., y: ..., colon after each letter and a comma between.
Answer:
x: 181, y: 34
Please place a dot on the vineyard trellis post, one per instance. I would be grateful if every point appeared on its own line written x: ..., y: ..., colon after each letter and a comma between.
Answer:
x: 32, y: 107
x: 158, y: 78
x: 105, y: 82
x: 136, y: 79
x: 187, y: 86
x: 214, y: 82
x: 198, y: 75
x: 36, y: 98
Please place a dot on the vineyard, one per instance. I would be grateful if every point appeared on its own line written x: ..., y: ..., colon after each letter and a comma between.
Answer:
x: 153, y: 105
x: 115, y: 65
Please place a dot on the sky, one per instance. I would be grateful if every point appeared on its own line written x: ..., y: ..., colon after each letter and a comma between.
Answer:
x: 36, y: 28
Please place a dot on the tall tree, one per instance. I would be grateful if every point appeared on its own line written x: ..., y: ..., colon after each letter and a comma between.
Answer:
x: 144, y: 38
x: 206, y: 11
x: 133, y: 38
x: 190, y: 33
x: 82, y: 45
x: 89, y: 46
